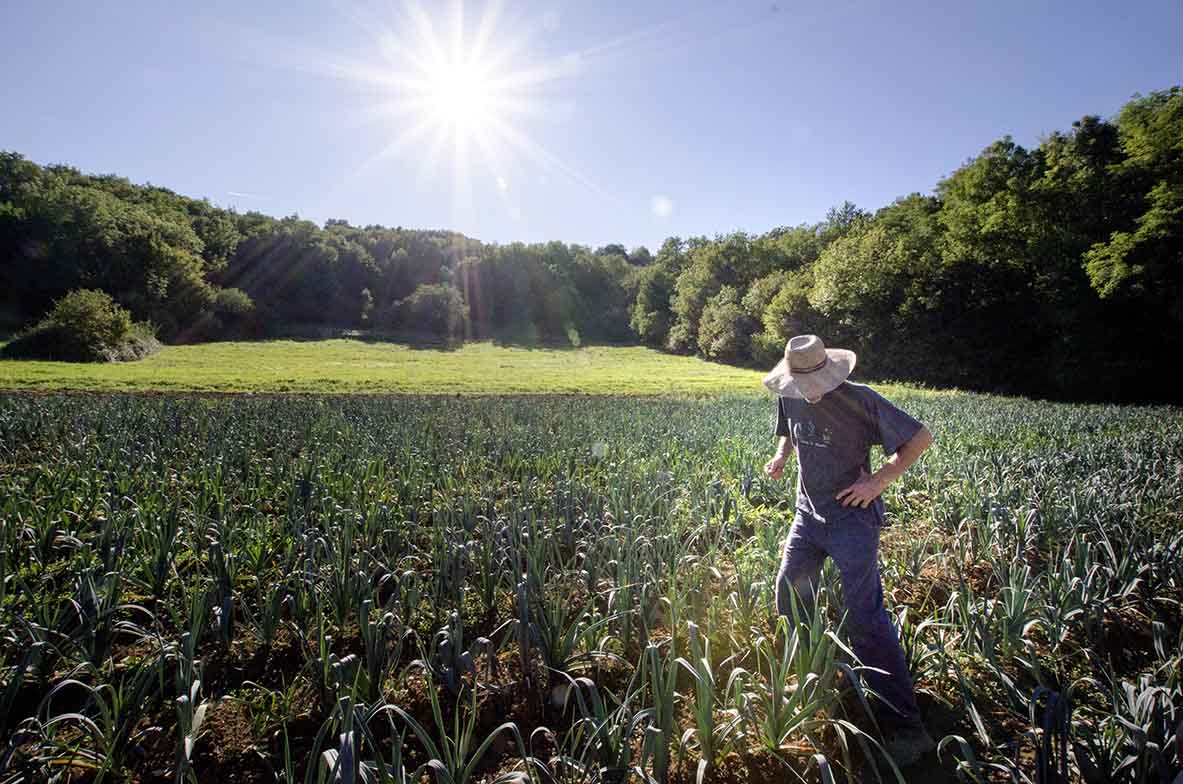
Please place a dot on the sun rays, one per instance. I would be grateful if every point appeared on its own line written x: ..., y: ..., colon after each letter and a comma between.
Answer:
x: 459, y: 90
x: 460, y: 94
x: 463, y: 94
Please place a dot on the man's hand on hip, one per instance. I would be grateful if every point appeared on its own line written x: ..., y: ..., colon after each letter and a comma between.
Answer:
x: 863, y: 492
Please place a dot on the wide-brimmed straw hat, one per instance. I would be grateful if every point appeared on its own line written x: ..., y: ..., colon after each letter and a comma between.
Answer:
x: 809, y: 369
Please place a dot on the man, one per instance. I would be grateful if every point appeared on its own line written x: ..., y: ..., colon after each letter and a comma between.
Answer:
x: 831, y: 425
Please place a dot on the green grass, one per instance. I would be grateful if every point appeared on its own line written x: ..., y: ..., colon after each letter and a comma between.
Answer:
x: 352, y: 366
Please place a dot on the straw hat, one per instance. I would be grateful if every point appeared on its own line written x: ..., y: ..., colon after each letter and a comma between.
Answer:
x: 809, y: 369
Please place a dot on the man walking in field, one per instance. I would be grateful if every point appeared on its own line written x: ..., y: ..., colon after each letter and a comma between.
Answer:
x: 832, y: 424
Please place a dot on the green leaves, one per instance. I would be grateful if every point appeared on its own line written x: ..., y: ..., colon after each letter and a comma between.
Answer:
x: 309, y: 546
x: 453, y: 759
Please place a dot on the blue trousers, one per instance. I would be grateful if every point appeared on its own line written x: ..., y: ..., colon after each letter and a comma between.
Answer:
x: 852, y: 540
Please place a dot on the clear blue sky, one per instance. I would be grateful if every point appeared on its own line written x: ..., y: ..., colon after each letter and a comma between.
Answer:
x: 610, y: 121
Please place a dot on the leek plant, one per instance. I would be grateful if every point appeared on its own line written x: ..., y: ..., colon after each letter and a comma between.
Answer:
x: 191, y: 709
x: 310, y: 543
x: 714, y: 738
x: 453, y: 760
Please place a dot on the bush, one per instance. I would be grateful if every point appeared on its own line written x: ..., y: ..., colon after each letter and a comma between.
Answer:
x: 233, y: 304
x: 650, y: 317
x: 92, y: 316
x: 85, y: 325
x: 437, y: 310
x: 724, y: 328
x: 231, y: 315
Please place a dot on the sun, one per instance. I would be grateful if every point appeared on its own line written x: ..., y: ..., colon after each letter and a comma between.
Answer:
x: 459, y: 88
x: 460, y: 95
x: 468, y: 83
x: 464, y: 88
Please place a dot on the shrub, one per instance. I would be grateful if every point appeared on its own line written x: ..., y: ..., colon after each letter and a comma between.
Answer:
x: 650, y: 317
x: 436, y: 309
x: 723, y: 329
x: 230, y: 315
x: 85, y: 325
x: 233, y: 304
x: 92, y: 316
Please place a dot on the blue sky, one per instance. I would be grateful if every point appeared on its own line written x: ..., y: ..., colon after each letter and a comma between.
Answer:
x: 607, y: 122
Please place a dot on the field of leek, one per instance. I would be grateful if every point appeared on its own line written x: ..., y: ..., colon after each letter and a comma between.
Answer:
x: 576, y: 589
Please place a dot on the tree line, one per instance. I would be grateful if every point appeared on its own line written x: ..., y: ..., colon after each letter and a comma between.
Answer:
x: 1052, y: 271
x: 199, y: 272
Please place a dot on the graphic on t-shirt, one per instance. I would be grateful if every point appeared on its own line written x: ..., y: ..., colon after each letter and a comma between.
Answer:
x: 806, y: 434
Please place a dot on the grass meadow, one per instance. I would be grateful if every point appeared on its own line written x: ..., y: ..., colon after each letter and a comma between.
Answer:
x: 346, y: 366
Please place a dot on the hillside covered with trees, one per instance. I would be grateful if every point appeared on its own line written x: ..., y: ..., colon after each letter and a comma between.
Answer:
x: 1054, y: 271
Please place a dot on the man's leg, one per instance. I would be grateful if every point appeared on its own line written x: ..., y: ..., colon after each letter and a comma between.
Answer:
x: 854, y: 546
x: 800, y: 564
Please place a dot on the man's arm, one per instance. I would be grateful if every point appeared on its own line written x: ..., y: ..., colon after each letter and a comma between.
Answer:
x: 895, y: 466
x: 870, y: 486
x: 775, y: 467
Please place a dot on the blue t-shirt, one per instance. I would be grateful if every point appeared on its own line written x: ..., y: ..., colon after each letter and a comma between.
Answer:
x: 833, y: 438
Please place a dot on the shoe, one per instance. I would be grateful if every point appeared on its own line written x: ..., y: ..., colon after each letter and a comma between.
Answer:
x: 908, y: 743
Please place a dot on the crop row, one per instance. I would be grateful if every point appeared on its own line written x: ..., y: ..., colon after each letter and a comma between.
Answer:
x: 566, y: 590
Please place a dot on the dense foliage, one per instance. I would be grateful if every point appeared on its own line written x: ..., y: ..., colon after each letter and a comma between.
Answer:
x: 1056, y: 270
x: 199, y: 272
x: 434, y: 308
x: 84, y: 326
x: 249, y: 589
